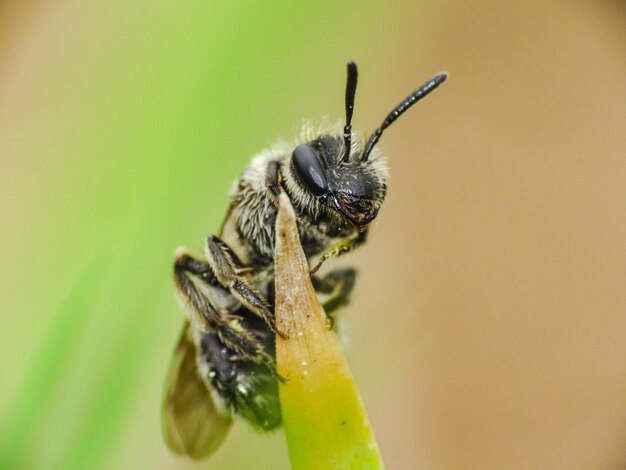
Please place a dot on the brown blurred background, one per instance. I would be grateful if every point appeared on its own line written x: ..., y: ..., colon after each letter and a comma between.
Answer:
x: 512, y: 217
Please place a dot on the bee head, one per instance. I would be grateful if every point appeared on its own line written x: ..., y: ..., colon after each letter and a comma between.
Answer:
x: 348, y: 176
x: 354, y: 189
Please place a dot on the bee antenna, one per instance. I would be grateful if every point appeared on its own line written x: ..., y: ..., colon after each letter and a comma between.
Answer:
x: 409, y: 101
x: 350, y: 92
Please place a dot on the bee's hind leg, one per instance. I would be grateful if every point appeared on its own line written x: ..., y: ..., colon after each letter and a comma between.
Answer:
x: 336, y: 286
x: 229, y: 272
x: 208, y: 313
x: 205, y: 312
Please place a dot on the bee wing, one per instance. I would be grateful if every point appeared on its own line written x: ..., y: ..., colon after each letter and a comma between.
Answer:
x: 192, y: 423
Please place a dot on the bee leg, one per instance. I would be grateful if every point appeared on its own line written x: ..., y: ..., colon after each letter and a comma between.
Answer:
x: 341, y: 248
x: 204, y: 312
x: 228, y: 271
x: 247, y: 346
x: 244, y: 344
x: 337, y: 285
x: 212, y: 317
x: 272, y: 180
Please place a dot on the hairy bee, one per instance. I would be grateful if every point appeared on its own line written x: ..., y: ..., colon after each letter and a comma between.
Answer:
x: 224, y: 364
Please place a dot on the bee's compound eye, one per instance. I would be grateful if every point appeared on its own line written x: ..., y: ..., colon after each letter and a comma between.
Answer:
x: 309, y: 170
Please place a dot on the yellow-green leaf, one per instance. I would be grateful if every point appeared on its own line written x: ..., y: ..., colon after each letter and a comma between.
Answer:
x: 324, y: 418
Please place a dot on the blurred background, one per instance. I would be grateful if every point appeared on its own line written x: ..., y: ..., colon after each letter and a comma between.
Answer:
x: 488, y: 326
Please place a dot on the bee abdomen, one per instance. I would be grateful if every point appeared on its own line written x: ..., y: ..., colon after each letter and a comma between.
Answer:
x: 246, y: 388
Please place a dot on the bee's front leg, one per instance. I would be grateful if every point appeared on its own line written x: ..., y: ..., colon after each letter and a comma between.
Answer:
x: 344, y: 246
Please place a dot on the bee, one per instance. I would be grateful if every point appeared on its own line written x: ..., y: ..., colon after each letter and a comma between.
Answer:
x: 224, y: 363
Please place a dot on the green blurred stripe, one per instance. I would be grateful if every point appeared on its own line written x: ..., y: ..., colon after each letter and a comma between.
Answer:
x: 45, y: 375
x: 100, y: 426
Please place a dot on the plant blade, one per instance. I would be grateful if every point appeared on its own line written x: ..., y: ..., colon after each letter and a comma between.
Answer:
x: 324, y: 418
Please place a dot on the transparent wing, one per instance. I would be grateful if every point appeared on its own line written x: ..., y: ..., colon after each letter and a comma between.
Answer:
x: 192, y: 424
